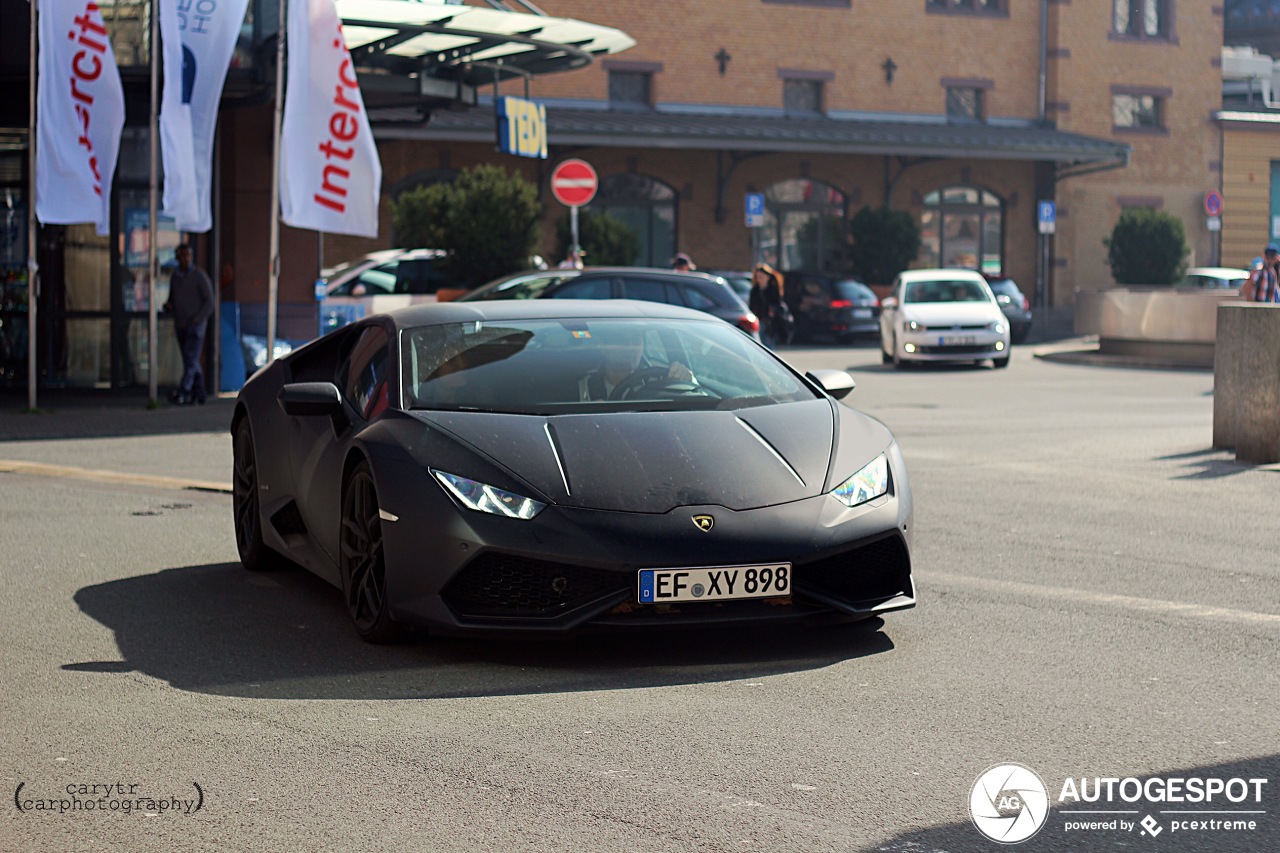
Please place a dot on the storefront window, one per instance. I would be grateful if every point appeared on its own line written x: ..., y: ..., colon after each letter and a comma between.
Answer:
x: 963, y: 227
x: 804, y: 226
x: 13, y: 274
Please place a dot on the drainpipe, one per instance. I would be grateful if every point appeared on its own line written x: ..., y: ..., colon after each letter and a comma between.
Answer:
x: 1042, y: 108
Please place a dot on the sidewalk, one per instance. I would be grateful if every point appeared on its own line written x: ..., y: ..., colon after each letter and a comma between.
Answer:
x: 111, y: 436
x: 80, y: 413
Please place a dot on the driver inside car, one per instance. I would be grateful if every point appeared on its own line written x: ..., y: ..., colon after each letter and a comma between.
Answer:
x: 623, y: 358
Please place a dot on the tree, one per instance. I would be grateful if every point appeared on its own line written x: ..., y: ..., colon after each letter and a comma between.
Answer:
x: 487, y: 221
x: 605, y: 240
x: 1147, y: 247
x: 885, y: 242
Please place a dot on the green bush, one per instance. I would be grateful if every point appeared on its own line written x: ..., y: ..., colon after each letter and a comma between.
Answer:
x: 885, y: 242
x: 1147, y: 247
x: 606, y: 240
x: 487, y: 220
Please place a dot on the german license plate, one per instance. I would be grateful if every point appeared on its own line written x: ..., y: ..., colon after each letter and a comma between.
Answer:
x: 862, y: 313
x: 957, y: 340
x: 661, y: 586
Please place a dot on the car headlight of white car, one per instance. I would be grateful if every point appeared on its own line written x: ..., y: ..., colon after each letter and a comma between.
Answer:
x: 998, y: 328
x: 868, y: 484
x: 485, y: 498
x: 913, y: 326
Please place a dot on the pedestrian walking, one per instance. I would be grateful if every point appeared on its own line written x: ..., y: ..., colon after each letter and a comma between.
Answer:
x: 1263, y: 283
x: 777, y: 324
x: 191, y: 302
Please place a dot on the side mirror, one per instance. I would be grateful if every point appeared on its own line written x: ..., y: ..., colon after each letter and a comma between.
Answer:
x: 837, y: 383
x: 307, y: 399
x: 889, y: 303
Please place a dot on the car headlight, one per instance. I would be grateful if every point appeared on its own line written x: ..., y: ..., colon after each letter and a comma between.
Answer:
x: 485, y: 498
x: 998, y: 328
x: 913, y: 326
x: 868, y: 484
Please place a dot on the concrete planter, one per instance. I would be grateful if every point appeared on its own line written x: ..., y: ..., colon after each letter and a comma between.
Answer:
x: 1173, y: 324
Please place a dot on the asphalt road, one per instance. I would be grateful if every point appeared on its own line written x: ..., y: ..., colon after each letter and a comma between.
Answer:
x: 1099, y: 597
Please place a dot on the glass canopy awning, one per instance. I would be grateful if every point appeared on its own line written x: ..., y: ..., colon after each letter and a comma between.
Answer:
x: 464, y: 46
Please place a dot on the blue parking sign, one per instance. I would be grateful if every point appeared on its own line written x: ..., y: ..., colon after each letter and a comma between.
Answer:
x: 755, y: 210
x: 1047, y: 216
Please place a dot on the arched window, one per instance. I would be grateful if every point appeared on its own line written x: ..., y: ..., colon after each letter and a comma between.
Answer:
x: 963, y: 227
x: 804, y: 227
x: 648, y: 206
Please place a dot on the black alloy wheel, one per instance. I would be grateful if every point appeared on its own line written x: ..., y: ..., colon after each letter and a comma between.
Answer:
x: 362, y: 561
x: 255, y: 555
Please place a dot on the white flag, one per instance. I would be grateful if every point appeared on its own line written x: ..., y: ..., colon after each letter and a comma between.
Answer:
x: 80, y: 113
x: 330, y: 177
x: 197, y: 41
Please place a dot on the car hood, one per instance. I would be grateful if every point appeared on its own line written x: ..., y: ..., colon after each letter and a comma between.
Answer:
x: 653, y: 462
x: 952, y: 313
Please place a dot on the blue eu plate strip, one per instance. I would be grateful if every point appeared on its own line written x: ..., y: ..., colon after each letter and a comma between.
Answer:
x: 646, y: 587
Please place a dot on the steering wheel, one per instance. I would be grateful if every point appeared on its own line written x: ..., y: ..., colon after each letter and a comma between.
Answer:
x: 636, y: 380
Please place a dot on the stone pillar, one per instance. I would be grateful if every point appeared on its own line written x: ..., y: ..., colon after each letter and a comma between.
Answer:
x: 1246, y: 382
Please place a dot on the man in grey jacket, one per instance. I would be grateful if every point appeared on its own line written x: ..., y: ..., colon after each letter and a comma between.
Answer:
x: 191, y: 301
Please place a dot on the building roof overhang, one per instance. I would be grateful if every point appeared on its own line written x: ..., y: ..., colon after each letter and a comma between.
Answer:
x: 434, y: 51
x: 722, y: 129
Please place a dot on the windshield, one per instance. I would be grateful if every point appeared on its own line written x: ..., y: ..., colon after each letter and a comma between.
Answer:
x: 946, y: 291
x: 854, y: 291
x: 522, y: 286
x: 559, y: 366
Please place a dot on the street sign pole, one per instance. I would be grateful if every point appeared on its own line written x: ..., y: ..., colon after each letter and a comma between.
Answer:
x: 574, y: 247
x: 574, y: 184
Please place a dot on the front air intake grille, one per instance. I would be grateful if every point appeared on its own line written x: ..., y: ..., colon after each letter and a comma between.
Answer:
x: 872, y: 572
x: 504, y: 585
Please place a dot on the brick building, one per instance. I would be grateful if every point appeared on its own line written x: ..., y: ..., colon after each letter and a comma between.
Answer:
x: 935, y: 106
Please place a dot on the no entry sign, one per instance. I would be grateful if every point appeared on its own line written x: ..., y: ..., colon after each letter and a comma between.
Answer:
x: 574, y: 183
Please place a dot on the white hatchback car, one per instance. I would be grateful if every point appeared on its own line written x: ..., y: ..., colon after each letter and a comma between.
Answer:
x: 942, y: 315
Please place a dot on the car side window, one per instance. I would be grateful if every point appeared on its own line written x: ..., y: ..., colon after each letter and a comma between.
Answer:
x: 649, y: 290
x: 591, y: 288
x: 364, y: 376
x: 700, y: 296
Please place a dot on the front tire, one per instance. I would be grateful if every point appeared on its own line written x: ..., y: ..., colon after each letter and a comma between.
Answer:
x: 362, y: 561
x: 255, y: 554
x: 1000, y: 362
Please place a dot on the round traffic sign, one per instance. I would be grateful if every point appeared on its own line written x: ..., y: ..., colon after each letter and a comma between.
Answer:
x: 574, y: 183
x: 1213, y: 203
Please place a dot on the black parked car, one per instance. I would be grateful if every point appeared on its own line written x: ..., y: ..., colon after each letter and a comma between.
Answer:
x: 708, y: 293
x: 831, y: 306
x: 1015, y: 305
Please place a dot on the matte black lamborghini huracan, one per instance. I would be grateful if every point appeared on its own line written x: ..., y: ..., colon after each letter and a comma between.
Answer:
x: 550, y: 465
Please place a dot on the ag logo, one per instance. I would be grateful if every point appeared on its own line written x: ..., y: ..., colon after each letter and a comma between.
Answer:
x: 1009, y: 803
x: 704, y: 522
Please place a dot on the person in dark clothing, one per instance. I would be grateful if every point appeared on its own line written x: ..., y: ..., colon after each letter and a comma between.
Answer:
x: 766, y: 303
x: 191, y: 302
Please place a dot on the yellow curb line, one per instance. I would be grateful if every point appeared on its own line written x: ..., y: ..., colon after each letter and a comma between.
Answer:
x: 40, y: 469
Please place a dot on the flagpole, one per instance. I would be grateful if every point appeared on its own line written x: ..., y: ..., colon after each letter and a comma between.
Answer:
x: 33, y: 268
x: 273, y: 279
x: 153, y: 380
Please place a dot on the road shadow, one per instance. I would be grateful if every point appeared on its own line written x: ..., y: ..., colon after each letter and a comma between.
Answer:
x: 219, y: 629
x: 1212, y: 463
x: 1159, y: 834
